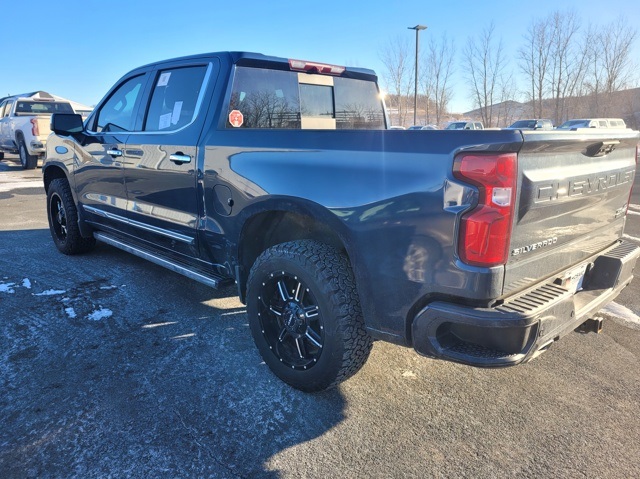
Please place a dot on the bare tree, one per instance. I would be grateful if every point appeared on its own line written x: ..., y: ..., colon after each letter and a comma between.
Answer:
x: 615, y: 41
x: 439, y: 59
x: 568, y: 62
x: 483, y: 65
x: 398, y: 74
x: 533, y: 59
x: 426, y: 85
x: 505, y: 112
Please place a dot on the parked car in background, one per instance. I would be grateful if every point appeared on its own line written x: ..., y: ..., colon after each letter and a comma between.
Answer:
x: 532, y: 125
x: 397, y: 127
x: 593, y: 123
x: 24, y: 125
x: 465, y: 125
x: 422, y: 127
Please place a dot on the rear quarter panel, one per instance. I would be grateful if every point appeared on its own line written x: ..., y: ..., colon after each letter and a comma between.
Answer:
x: 391, y: 196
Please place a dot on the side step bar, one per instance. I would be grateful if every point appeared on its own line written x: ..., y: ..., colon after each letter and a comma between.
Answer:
x: 210, y: 280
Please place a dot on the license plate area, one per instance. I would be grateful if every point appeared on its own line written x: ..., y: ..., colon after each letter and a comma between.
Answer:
x: 572, y: 280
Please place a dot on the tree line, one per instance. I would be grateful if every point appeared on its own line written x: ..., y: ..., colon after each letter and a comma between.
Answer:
x: 559, y: 60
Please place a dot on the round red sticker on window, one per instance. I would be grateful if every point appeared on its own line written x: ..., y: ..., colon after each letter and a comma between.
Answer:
x: 236, y: 118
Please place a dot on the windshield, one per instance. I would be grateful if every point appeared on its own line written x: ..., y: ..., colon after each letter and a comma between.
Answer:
x: 458, y: 125
x: 574, y: 124
x: 524, y: 124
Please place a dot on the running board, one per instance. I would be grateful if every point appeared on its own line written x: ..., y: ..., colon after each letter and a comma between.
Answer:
x: 210, y: 280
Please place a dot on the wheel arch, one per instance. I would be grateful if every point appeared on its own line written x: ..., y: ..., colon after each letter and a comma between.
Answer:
x: 269, y: 226
x: 53, y: 171
x: 18, y: 135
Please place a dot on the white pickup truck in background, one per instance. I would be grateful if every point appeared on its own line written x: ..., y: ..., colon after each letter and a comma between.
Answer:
x: 24, y: 125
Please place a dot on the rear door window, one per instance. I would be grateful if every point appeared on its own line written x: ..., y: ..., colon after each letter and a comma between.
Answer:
x: 174, y: 98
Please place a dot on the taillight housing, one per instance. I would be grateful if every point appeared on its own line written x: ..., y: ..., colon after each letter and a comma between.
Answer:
x: 35, y: 131
x: 485, y: 231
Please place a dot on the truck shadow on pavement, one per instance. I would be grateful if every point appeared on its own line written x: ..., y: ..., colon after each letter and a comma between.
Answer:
x: 112, y: 366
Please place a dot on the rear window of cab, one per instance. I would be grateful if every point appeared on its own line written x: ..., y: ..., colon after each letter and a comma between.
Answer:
x: 265, y: 98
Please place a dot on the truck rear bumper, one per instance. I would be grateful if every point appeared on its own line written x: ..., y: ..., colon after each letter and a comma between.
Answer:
x: 37, y: 147
x: 527, y: 323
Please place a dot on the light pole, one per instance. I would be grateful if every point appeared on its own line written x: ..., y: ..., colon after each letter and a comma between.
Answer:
x: 417, y: 28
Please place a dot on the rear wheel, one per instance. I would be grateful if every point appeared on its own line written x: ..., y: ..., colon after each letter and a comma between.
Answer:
x: 305, y: 315
x: 63, y: 220
x: 28, y: 162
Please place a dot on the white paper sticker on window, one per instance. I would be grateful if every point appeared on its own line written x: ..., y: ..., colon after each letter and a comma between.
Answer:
x: 164, y: 79
x: 177, y: 109
x: 165, y: 121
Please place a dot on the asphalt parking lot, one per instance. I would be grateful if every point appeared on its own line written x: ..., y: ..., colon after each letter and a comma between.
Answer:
x: 113, y: 367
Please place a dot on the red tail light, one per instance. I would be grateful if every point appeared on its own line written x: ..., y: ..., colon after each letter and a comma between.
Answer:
x: 35, y: 131
x: 485, y: 232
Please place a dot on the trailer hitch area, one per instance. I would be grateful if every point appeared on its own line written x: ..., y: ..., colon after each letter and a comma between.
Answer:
x: 591, y: 325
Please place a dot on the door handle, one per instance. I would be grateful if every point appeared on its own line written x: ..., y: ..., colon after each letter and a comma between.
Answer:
x: 179, y: 158
x: 114, y: 152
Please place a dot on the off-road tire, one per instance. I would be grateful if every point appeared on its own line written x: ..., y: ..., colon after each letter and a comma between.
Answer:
x: 28, y: 162
x: 63, y: 220
x: 305, y: 315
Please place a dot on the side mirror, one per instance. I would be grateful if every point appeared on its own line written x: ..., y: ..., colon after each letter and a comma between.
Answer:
x: 66, y: 124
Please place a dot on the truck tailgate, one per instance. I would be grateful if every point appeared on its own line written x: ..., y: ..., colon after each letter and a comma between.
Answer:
x: 44, y: 126
x: 572, y: 199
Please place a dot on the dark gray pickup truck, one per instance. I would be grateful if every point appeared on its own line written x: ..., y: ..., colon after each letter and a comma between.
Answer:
x: 278, y: 175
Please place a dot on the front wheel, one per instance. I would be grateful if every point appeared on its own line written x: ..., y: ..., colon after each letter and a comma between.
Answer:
x: 28, y: 162
x: 305, y: 315
x: 63, y: 220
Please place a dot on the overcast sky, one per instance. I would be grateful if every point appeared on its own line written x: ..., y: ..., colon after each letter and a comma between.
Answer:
x: 77, y: 50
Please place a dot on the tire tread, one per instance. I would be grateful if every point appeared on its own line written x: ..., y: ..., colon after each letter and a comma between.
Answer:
x: 337, y: 283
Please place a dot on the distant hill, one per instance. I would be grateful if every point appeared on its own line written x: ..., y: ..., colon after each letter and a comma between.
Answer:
x: 623, y: 104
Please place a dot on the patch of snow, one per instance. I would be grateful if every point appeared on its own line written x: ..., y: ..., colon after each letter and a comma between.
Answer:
x: 622, y: 312
x: 115, y: 287
x: 99, y: 314
x: 7, y: 288
x: 14, y: 185
x: 70, y: 312
x: 26, y: 283
x: 409, y: 374
x: 631, y: 212
x: 635, y: 207
x: 50, y: 292
x: 184, y: 336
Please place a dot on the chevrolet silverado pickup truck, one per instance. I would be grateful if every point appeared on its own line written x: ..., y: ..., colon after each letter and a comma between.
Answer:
x: 24, y: 125
x: 281, y: 177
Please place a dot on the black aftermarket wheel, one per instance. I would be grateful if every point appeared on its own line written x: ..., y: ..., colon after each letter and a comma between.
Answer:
x: 305, y: 315
x: 63, y: 220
